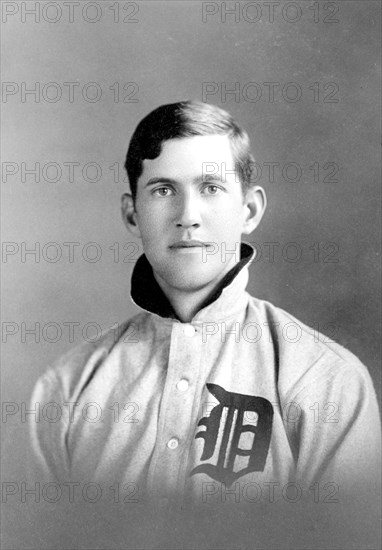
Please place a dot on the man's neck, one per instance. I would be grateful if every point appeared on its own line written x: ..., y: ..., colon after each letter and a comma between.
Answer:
x: 187, y: 303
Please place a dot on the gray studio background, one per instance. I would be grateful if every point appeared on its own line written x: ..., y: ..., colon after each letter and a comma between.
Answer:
x: 168, y: 53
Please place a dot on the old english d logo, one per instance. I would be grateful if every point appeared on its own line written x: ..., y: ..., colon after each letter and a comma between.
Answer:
x: 229, y: 429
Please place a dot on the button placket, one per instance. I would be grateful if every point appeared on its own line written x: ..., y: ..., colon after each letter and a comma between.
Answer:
x: 176, y: 409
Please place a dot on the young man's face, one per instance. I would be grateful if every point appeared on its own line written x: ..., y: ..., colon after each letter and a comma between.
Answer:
x: 179, y: 210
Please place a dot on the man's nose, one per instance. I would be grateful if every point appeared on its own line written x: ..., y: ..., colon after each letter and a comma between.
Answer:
x: 188, y: 214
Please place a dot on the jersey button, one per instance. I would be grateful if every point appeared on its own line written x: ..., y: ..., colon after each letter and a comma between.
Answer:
x: 173, y: 443
x: 189, y: 330
x: 182, y: 385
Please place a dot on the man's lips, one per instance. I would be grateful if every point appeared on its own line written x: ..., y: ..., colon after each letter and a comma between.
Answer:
x: 189, y: 244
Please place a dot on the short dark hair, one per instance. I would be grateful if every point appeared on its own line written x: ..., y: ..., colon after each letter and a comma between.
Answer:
x: 186, y: 119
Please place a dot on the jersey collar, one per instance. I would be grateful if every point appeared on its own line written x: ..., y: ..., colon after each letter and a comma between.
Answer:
x: 147, y: 294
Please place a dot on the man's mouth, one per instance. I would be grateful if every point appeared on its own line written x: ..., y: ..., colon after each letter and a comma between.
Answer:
x: 189, y: 244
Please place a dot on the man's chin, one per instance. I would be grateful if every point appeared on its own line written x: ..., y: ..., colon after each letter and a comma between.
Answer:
x: 192, y: 279
x: 191, y: 285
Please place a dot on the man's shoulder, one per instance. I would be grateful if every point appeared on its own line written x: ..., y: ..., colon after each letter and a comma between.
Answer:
x: 303, y: 352
x: 82, y: 360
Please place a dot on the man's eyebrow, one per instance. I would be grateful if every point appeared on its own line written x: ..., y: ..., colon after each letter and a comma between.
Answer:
x: 153, y: 181
x: 210, y: 177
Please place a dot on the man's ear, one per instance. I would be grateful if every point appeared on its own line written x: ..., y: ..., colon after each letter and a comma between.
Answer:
x: 129, y: 214
x: 255, y: 203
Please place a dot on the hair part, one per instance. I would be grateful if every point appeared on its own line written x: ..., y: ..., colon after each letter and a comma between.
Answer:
x: 181, y: 120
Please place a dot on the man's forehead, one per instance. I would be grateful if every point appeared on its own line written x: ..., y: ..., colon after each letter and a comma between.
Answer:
x: 190, y: 153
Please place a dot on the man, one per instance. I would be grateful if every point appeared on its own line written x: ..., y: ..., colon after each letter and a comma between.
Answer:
x: 208, y: 396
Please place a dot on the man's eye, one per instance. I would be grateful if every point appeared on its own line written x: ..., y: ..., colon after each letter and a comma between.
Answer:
x: 212, y: 189
x: 162, y: 191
